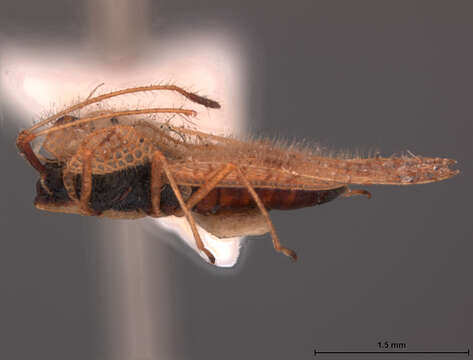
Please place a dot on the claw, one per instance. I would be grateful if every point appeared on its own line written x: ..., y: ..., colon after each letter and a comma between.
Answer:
x: 209, y: 255
x: 288, y: 252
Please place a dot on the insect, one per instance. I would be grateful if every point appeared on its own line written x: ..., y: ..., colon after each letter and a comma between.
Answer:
x: 119, y: 164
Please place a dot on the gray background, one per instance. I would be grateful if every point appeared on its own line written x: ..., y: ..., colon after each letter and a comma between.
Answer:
x: 390, y: 75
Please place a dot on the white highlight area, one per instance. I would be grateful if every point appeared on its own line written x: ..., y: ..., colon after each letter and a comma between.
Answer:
x: 226, y: 251
x: 44, y: 82
x: 139, y: 315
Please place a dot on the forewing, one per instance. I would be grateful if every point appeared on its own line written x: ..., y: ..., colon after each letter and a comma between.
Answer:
x: 197, y: 173
x: 263, y: 162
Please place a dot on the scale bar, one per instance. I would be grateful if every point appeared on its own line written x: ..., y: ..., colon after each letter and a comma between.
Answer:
x: 316, y: 352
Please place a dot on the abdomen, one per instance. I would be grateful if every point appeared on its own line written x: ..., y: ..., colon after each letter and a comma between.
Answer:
x: 238, y: 198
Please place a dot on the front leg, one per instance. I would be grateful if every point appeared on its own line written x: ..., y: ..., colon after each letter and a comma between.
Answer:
x: 86, y: 183
x: 23, y: 143
x: 94, y: 143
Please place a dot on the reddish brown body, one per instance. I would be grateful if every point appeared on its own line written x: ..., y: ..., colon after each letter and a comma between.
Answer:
x: 237, y: 198
x: 129, y: 190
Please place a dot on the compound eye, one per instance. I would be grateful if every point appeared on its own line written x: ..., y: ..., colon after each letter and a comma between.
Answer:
x: 114, y: 121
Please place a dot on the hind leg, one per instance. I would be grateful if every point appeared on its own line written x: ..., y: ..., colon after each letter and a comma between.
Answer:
x: 276, y: 243
x: 213, y: 180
